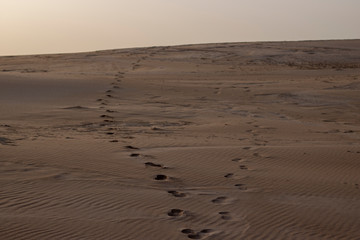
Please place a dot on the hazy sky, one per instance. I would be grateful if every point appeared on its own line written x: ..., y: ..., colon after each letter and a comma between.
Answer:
x: 52, y: 26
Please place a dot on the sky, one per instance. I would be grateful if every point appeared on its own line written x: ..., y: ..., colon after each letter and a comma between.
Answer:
x: 58, y: 26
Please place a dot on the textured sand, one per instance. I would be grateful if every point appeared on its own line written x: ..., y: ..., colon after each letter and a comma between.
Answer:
x: 214, y: 141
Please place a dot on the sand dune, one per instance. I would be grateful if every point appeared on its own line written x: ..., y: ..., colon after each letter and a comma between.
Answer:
x: 212, y: 141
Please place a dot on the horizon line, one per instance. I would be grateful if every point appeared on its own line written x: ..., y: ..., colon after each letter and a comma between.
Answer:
x: 179, y: 45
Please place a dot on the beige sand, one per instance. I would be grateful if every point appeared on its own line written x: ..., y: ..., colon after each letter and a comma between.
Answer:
x: 214, y: 141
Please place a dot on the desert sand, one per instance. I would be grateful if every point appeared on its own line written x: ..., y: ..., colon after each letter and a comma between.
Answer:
x: 214, y: 141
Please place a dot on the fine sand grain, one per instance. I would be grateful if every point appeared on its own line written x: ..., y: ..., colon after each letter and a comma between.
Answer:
x: 212, y: 141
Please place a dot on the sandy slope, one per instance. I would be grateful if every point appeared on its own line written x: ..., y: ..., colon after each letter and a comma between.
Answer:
x: 215, y: 141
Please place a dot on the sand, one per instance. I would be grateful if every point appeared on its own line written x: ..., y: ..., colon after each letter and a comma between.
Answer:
x: 213, y: 141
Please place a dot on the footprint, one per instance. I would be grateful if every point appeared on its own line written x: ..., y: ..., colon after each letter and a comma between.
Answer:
x: 177, y: 194
x: 110, y: 111
x: 105, y: 116
x: 131, y: 147
x: 151, y: 164
x: 176, y: 212
x: 243, y: 167
x: 241, y: 186
x: 196, y: 235
x: 161, y: 177
x: 236, y: 159
x: 206, y: 230
x: 219, y: 200
x: 229, y: 175
x: 187, y: 231
x: 225, y: 215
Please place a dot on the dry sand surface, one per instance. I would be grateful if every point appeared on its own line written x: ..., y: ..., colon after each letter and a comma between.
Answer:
x: 213, y: 141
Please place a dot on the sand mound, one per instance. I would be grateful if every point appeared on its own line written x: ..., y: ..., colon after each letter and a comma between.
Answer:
x: 214, y: 141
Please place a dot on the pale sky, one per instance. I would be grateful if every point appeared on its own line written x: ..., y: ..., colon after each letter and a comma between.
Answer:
x: 57, y: 26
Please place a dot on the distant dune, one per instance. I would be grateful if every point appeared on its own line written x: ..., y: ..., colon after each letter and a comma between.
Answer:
x: 214, y: 141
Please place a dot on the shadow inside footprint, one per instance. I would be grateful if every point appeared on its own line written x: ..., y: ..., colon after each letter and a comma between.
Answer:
x: 176, y: 212
x: 134, y: 155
